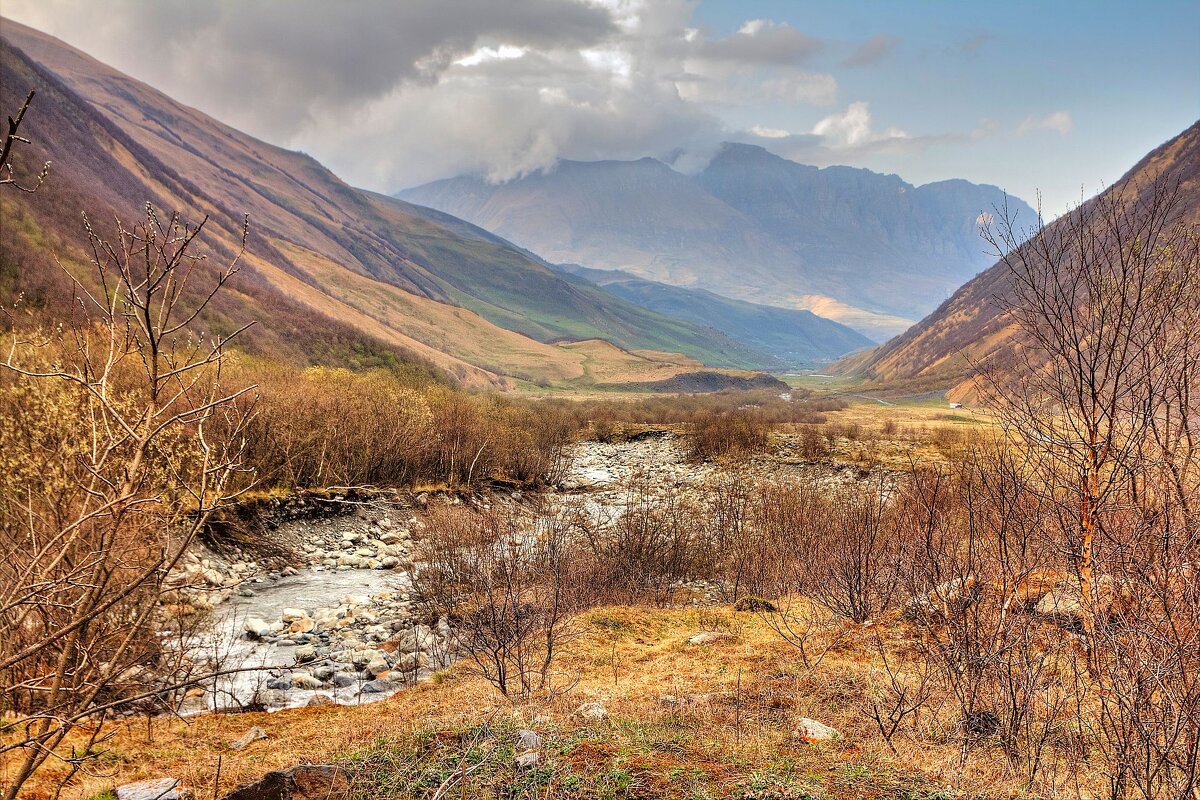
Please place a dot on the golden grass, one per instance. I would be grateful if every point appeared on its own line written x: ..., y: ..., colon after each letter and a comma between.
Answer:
x: 728, y: 731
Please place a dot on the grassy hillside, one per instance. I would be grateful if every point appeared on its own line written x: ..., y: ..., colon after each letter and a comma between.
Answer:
x: 970, y: 327
x: 326, y: 265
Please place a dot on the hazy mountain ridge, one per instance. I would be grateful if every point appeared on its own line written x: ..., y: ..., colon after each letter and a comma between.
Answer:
x: 866, y: 249
x: 879, y: 241
x: 798, y: 338
x: 970, y: 327
x: 322, y: 254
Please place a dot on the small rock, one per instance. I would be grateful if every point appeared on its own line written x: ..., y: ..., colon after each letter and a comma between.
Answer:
x: 809, y: 730
x: 593, y: 712
x: 757, y: 604
x: 306, y: 653
x: 529, y: 740
x: 320, y: 700
x: 528, y: 760
x: 293, y: 614
x: 155, y: 789
x: 306, y: 782
x: 248, y: 738
x: 708, y: 637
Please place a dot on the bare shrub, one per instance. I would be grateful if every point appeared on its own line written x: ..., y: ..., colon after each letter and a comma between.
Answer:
x: 976, y: 561
x: 900, y: 691
x: 814, y: 445
x: 846, y: 548
x: 334, y: 427
x: 501, y: 579
x: 736, y: 433
x: 643, y: 551
x: 118, y: 434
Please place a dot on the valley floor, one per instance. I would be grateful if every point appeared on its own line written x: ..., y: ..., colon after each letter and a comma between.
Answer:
x: 691, y: 700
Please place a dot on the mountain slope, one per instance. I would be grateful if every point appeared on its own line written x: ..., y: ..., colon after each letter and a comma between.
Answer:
x: 970, y: 327
x: 865, y: 249
x: 878, y: 241
x: 322, y: 254
x: 797, y: 338
x: 641, y: 216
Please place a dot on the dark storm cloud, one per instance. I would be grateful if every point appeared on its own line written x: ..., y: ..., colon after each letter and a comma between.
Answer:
x: 290, y: 61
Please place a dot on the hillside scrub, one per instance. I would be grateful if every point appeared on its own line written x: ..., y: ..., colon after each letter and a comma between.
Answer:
x: 333, y: 427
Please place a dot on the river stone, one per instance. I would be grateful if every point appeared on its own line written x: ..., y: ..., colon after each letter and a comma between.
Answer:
x: 293, y: 614
x: 306, y: 653
x: 412, y: 661
x: 302, y: 680
x: 257, y: 628
x: 307, y: 782
x: 277, y: 683
x: 378, y: 686
x: 343, y: 679
x: 155, y: 789
x: 320, y: 700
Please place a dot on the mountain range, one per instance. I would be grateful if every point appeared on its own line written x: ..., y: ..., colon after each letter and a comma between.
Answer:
x: 971, y: 328
x: 865, y: 249
x: 795, y: 337
x: 332, y: 274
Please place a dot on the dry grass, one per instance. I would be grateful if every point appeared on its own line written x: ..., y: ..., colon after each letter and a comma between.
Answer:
x: 728, y: 732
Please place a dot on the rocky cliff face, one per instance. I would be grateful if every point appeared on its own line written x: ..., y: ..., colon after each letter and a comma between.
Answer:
x: 875, y: 240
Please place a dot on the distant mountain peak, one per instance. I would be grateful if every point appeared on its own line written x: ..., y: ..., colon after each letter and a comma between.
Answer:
x: 870, y: 248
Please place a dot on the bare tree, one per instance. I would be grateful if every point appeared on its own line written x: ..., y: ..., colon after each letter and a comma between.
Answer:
x: 1093, y: 296
x: 7, y: 178
x: 120, y: 437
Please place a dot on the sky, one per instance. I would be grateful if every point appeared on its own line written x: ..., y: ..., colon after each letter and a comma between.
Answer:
x: 1055, y: 98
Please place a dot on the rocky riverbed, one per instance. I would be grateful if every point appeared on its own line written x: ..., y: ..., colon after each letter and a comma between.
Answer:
x: 318, y: 604
x: 331, y: 620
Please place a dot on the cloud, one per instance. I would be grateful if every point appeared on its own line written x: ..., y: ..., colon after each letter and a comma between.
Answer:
x: 1059, y: 121
x: 761, y: 41
x: 872, y: 51
x: 852, y: 128
x: 296, y: 60
x: 850, y: 136
x: 391, y: 94
x: 770, y: 133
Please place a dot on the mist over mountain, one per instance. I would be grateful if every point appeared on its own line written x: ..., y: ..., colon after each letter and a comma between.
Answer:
x: 865, y: 249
